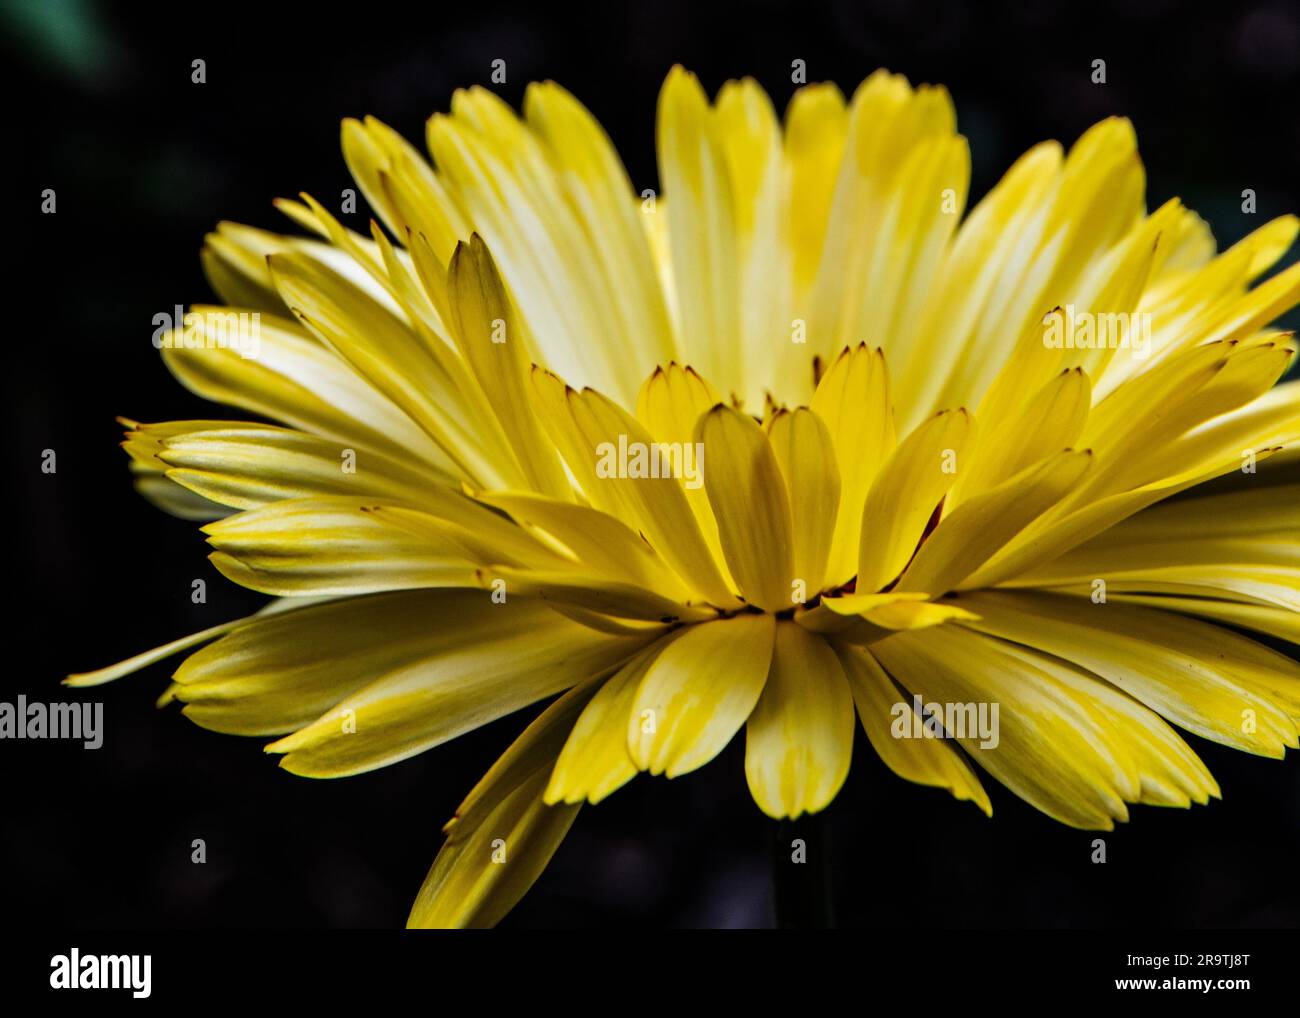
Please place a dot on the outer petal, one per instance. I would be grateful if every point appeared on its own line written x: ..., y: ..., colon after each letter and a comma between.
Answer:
x: 250, y: 466
x: 347, y: 545
x: 1280, y: 622
x: 491, y: 659
x: 1200, y: 677
x: 698, y: 693
x: 595, y: 761
x: 1238, y: 545
x: 925, y: 761
x: 799, y: 740
x: 276, y: 673
x: 296, y: 380
x: 1069, y: 744
x: 503, y: 834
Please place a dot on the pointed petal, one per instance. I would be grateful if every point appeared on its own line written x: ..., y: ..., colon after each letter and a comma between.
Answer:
x: 503, y: 834
x: 749, y: 499
x: 905, y: 494
x: 804, y: 450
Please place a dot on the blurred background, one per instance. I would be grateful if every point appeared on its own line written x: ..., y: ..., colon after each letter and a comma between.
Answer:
x: 144, y: 162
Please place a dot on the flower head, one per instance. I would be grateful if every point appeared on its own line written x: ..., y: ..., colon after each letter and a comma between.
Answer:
x: 790, y: 447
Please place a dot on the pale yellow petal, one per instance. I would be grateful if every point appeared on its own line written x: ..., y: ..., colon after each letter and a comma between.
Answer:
x: 1202, y: 678
x: 701, y: 226
x: 491, y: 659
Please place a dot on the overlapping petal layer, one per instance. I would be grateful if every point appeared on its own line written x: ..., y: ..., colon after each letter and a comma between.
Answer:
x: 787, y: 442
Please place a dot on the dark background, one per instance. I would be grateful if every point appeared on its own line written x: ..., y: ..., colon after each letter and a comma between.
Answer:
x: 101, y: 108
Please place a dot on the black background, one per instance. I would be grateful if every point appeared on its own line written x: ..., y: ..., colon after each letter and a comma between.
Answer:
x: 101, y: 108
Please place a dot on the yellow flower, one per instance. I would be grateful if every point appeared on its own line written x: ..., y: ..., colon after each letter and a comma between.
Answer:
x: 710, y: 459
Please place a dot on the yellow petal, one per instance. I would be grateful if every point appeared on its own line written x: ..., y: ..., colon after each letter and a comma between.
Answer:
x: 857, y: 604
x: 656, y: 506
x: 1051, y: 420
x: 1201, y: 678
x: 749, y: 499
x: 143, y: 660
x: 1063, y: 741
x: 246, y: 467
x: 606, y: 597
x: 925, y: 761
x: 806, y: 455
x: 698, y: 693
x: 550, y: 399
x: 915, y: 614
x: 347, y: 545
x: 905, y: 494
x: 589, y: 170
x: 598, y: 540
x: 432, y: 390
x: 1060, y: 530
x: 279, y: 672
x: 175, y: 499
x: 493, y: 344
x: 892, y: 131
x: 750, y: 138
x: 853, y: 399
x: 295, y: 380
x: 799, y: 739
x: 957, y: 344
x: 1282, y: 623
x: 701, y: 225
x: 816, y: 123
x: 1234, y: 540
x: 672, y: 399
x: 979, y: 527
x: 595, y: 761
x: 526, y: 203
x: 491, y: 659
x: 234, y: 262
x: 503, y: 834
